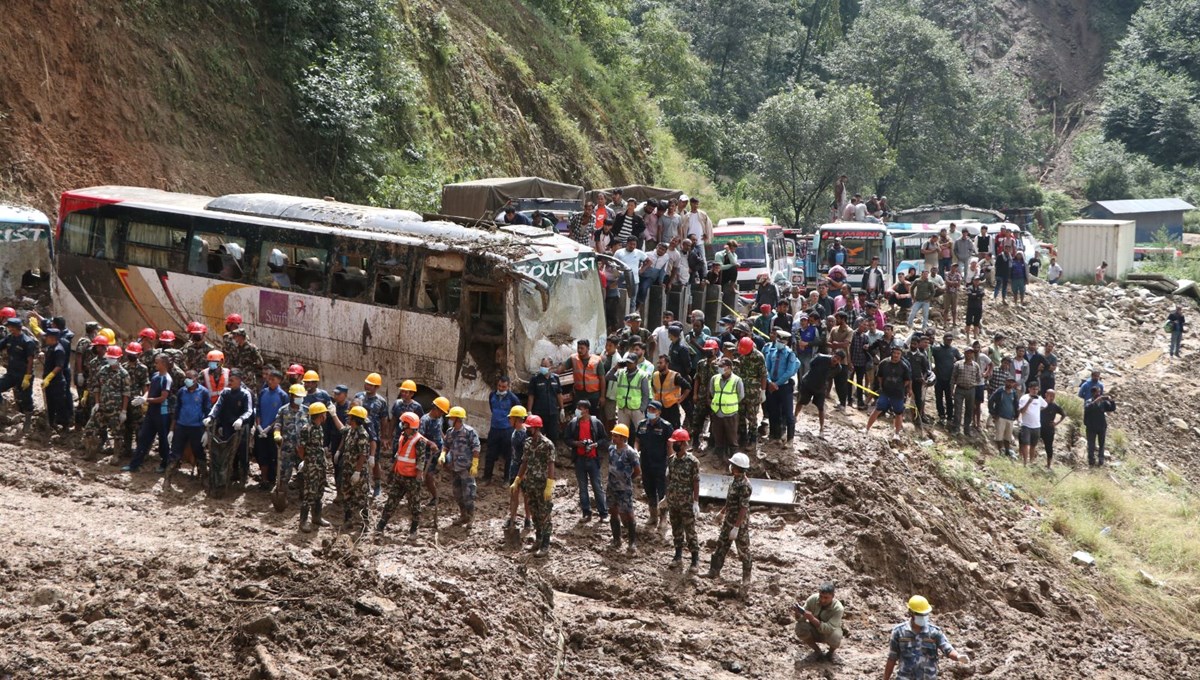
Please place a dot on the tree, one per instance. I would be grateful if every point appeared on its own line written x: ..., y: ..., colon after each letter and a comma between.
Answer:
x: 799, y: 144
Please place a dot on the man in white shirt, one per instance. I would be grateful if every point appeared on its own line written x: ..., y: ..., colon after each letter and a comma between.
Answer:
x: 1054, y: 272
x: 632, y: 257
x: 699, y: 227
x: 681, y: 272
x: 860, y: 209
x: 659, y: 339
x: 1029, y: 412
x: 654, y: 271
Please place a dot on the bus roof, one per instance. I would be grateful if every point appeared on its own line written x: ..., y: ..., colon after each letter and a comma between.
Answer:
x: 316, y: 215
x: 19, y: 214
x: 746, y: 222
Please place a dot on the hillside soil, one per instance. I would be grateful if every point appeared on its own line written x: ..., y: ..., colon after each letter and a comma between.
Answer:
x: 110, y: 574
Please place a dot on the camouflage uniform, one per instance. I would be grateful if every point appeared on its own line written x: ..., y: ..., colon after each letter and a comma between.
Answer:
x: 289, y: 423
x: 401, y: 487
x: 682, y: 474
x: 702, y: 384
x: 195, y: 356
x: 91, y: 372
x: 312, y: 487
x: 229, y: 346
x: 112, y: 385
x: 83, y: 349
x: 356, y: 443
x: 537, y: 457
x: 752, y: 370
x: 736, y: 498
x: 139, y: 380
x: 621, y: 463
x: 247, y: 358
x: 461, y: 446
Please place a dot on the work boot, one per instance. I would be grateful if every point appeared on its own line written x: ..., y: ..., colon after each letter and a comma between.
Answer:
x: 653, y: 514
x: 746, y: 575
x: 317, y: 519
x: 695, y: 562
x: 376, y: 489
x: 467, y: 520
x: 171, y: 470
x: 508, y: 524
x: 381, y: 524
x: 304, y: 525
x: 543, y: 546
x: 615, y: 524
x: 677, y: 561
x: 714, y: 568
x: 412, y: 528
x: 27, y: 424
x: 527, y: 525
x: 632, y: 538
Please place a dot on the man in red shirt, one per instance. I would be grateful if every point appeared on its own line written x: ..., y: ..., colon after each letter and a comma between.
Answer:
x: 586, y: 437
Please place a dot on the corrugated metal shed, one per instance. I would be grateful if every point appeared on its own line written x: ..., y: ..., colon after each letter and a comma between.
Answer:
x: 1084, y: 244
x: 1144, y: 205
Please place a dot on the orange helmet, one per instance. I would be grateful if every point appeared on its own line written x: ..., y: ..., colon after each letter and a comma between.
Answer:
x: 745, y: 346
x: 215, y: 355
x: 133, y: 349
x: 410, y: 419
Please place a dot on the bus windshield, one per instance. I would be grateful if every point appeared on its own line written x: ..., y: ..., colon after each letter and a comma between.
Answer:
x: 575, y: 310
x: 751, y: 250
x: 860, y: 248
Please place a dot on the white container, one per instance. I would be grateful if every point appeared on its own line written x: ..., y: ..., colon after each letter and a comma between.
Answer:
x: 1084, y: 244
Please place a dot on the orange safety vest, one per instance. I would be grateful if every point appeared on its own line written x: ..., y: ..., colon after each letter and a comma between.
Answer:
x: 214, y: 388
x: 666, y: 391
x: 587, y: 378
x: 406, y: 456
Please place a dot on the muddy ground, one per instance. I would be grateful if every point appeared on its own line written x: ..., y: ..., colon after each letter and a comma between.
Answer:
x: 108, y: 574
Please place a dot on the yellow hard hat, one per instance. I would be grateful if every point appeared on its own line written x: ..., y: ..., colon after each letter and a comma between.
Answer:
x: 518, y: 411
x: 458, y: 412
x: 408, y: 386
x: 919, y: 605
x: 108, y: 333
x: 621, y: 429
x: 317, y: 408
x: 311, y: 376
x: 374, y: 379
x: 297, y: 390
x: 443, y: 404
x: 358, y: 412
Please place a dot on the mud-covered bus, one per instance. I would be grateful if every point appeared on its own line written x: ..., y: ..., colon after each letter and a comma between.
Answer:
x: 343, y: 289
x: 862, y: 242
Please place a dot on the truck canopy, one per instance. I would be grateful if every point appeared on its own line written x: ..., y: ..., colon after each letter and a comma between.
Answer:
x: 481, y: 199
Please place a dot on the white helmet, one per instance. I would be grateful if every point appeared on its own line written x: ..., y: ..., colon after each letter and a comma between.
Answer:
x: 740, y: 460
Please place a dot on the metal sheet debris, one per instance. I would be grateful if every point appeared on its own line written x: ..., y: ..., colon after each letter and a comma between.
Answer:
x: 767, y: 491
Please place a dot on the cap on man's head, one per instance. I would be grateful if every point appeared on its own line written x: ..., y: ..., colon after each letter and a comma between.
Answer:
x: 12, y: 321
x: 633, y: 317
x: 341, y: 389
x: 655, y: 404
x: 783, y: 335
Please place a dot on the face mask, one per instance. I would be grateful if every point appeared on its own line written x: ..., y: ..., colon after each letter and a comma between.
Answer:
x: 502, y: 392
x: 651, y: 416
x: 112, y: 362
x: 188, y: 382
x: 578, y: 413
x: 297, y: 400
x: 780, y: 344
x: 213, y: 365
x: 543, y: 370
x: 921, y: 620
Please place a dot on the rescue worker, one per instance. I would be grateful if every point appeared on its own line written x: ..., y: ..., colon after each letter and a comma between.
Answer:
x: 139, y: 381
x: 753, y: 372
x: 413, y: 452
x: 157, y: 421
x: 683, y: 498
x: 313, y: 395
x: 376, y: 407
x: 461, y: 451
x: 112, y: 402
x: 585, y: 434
x: 94, y: 362
x: 623, y: 468
x: 286, y: 432
x: 819, y: 621
x: 195, y: 354
x: 706, y: 370
x: 193, y: 403
x: 735, y: 525
x: 56, y: 387
x: 232, y: 412
x: 781, y: 366
x: 500, y: 401
x: 516, y: 418
x: 340, y: 411
x: 545, y: 398
x: 313, y: 456
x: 916, y: 643
x: 293, y: 376
x: 431, y: 429
x: 727, y: 392
x: 233, y: 322
x: 356, y: 469
x: 214, y: 375
x: 670, y: 389
x: 404, y: 404
x: 632, y: 390
x: 146, y: 338
x: 166, y: 345
x: 652, y: 436
x: 271, y: 399
x: 587, y: 375
x: 244, y: 355
x: 536, y: 481
x: 80, y: 369
x: 22, y: 349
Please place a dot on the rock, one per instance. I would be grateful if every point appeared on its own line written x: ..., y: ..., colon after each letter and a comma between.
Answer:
x: 263, y: 625
x: 477, y: 624
x: 1149, y: 580
x: 732, y: 666
x: 376, y: 606
x: 1180, y: 424
x: 47, y: 595
x: 107, y: 629
x: 1084, y: 558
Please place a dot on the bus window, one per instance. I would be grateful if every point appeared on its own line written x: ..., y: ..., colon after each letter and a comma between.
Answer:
x: 351, y: 262
x: 751, y: 251
x: 154, y: 245
x: 77, y: 234
x: 439, y: 288
x: 217, y: 255
x: 291, y: 267
x: 107, y: 238
x: 391, y: 269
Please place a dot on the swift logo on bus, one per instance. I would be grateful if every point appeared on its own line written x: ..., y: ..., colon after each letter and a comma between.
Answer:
x: 543, y: 271
x: 282, y: 310
x: 19, y: 234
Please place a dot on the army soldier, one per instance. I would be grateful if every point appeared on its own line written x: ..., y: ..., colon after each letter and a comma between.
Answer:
x: 139, y: 380
x: 313, y: 461
x: 623, y: 467
x: 413, y: 452
x: 82, y: 361
x: 461, y: 451
x: 287, y: 426
x: 356, y: 473
x: 735, y: 526
x: 146, y: 338
x: 233, y: 323
x: 112, y: 402
x: 705, y: 370
x: 753, y: 372
x: 536, y: 480
x: 195, y: 355
x: 683, y: 498
x: 242, y: 354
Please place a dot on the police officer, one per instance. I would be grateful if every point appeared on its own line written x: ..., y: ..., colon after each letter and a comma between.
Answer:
x: 652, y: 436
x: 22, y: 349
x: 55, y: 386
